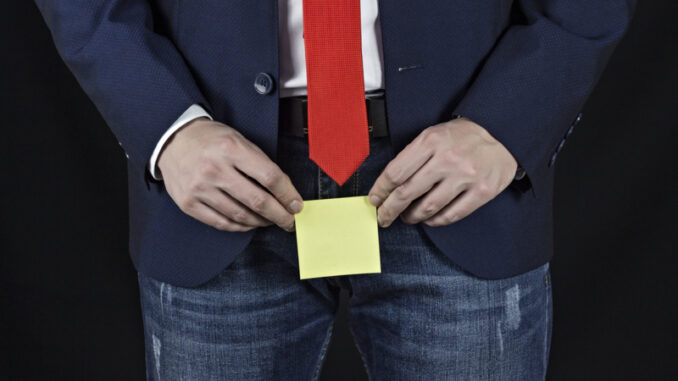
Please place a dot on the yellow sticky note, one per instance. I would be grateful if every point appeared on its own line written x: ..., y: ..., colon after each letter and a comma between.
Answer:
x: 337, y: 236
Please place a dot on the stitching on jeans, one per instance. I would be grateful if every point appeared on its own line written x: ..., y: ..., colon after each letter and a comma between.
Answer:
x: 491, y: 326
x: 362, y: 355
x: 323, y: 351
x: 546, y: 336
x: 547, y: 322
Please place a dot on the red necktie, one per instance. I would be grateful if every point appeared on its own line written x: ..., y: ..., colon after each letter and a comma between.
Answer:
x: 337, y: 118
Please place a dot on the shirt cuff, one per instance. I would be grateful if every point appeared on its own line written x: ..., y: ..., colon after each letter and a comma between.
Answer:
x: 192, y: 113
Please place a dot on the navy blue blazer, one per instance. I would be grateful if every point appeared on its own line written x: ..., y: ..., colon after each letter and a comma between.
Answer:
x: 521, y: 69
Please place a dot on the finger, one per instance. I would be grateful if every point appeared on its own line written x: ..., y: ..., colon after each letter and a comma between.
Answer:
x: 460, y: 208
x: 270, y: 176
x: 231, y: 208
x: 403, y: 195
x: 398, y: 170
x: 434, y: 201
x: 257, y: 199
x: 211, y: 217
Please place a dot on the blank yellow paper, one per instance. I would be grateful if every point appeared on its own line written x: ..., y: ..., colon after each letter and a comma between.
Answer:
x: 337, y: 236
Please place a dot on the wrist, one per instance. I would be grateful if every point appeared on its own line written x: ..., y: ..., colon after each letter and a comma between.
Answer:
x: 178, y: 136
x: 520, y: 172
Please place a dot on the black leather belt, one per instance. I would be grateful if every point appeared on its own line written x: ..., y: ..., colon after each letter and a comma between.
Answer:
x: 293, y: 113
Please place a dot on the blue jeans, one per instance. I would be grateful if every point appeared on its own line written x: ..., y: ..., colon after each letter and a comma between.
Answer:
x: 421, y: 318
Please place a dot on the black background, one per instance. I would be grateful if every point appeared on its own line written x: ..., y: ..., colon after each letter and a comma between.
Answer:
x: 69, y: 300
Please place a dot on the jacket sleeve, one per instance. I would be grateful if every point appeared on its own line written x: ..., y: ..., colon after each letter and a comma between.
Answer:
x: 135, y: 76
x: 540, y: 72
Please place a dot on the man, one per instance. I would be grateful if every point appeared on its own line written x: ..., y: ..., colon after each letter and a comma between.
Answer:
x: 469, y: 102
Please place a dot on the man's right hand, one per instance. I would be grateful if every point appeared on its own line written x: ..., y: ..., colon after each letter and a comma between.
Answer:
x: 217, y: 176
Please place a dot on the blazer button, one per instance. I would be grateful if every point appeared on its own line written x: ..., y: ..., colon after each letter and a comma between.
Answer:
x: 263, y: 83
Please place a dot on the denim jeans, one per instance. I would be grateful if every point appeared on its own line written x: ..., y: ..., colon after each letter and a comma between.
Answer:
x: 421, y: 318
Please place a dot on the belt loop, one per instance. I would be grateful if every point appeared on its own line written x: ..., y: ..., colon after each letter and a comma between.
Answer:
x: 304, y: 114
x: 368, y: 109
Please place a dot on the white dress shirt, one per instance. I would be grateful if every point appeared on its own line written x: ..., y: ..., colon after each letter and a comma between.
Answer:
x: 292, y: 80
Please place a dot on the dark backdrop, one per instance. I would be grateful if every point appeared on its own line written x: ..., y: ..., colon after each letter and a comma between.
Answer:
x: 69, y: 305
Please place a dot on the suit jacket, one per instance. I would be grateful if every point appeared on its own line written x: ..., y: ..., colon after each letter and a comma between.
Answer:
x: 521, y: 69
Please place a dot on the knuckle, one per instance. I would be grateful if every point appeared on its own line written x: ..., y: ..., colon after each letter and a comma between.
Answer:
x: 239, y: 215
x: 227, y: 143
x: 402, y: 193
x: 228, y: 185
x: 459, y: 215
x: 258, y: 202
x: 221, y: 225
x: 468, y: 169
x: 270, y: 177
x: 451, y: 157
x: 429, y: 208
x: 484, y: 190
x: 431, y: 135
x: 429, y: 171
x: 185, y: 203
x: 196, y: 186
x: 206, y: 168
x: 448, y: 219
x: 226, y: 225
x: 393, y: 174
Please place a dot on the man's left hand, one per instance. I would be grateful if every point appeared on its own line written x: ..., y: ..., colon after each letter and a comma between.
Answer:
x: 447, y: 172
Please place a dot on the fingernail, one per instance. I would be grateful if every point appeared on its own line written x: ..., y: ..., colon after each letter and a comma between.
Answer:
x: 295, y: 206
x: 291, y: 228
x: 375, y: 200
x: 379, y: 221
